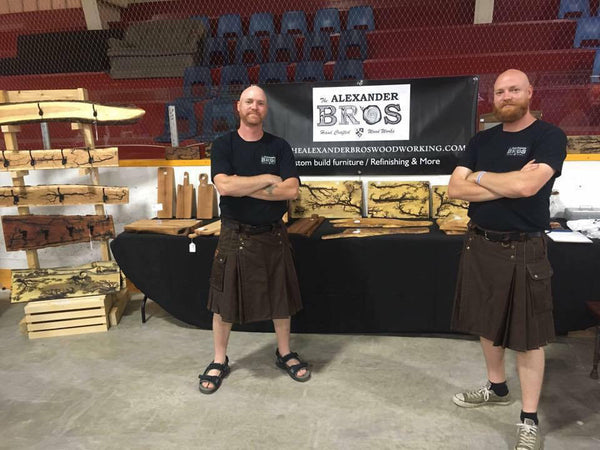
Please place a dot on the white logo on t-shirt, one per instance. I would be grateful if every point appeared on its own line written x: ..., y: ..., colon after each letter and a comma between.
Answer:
x: 269, y: 160
x: 516, y: 151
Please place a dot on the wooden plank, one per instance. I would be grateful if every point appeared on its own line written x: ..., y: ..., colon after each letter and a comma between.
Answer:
x: 372, y: 222
x: 166, y: 192
x: 174, y: 227
x: 328, y: 199
x: 185, y: 198
x: 68, y: 331
x: 119, y: 305
x: 98, y: 278
x: 66, y: 323
x: 583, y: 144
x: 67, y: 111
x: 399, y: 200
x: 34, y: 232
x: 306, y: 226
x: 65, y: 304
x: 62, y: 194
x: 368, y: 232
x: 66, y: 315
x: 58, y: 159
x: 442, y: 206
x: 207, y: 199
x: 5, y: 279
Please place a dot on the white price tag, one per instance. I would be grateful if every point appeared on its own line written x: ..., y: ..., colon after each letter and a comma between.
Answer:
x: 157, y: 207
x: 192, y: 247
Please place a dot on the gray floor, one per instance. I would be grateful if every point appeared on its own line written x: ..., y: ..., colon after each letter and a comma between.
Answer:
x: 136, y: 387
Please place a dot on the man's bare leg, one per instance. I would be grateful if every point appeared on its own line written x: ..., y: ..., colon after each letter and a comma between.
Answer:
x: 530, y: 365
x: 221, y: 332
x: 494, y: 361
x: 282, y: 331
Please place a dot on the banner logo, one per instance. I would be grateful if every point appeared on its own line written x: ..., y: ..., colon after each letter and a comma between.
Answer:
x: 367, y: 113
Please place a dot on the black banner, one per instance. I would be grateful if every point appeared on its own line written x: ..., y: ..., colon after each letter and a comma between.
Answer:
x: 375, y: 127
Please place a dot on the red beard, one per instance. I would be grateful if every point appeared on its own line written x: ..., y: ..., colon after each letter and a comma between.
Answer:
x: 512, y: 113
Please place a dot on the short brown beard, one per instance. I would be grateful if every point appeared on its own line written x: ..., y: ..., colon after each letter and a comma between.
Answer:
x: 511, y: 115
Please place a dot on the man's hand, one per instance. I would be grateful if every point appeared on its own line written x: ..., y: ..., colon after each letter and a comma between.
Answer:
x: 239, y: 186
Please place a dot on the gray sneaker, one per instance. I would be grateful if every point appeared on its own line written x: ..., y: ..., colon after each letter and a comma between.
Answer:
x: 528, y: 436
x: 479, y: 397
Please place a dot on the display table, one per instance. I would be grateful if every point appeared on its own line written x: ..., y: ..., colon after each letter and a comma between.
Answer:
x: 384, y: 284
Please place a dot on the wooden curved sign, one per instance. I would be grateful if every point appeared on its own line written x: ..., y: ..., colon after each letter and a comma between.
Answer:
x: 67, y: 111
x: 62, y: 194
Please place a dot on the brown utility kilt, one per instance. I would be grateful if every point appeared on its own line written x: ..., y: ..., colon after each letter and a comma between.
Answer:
x: 253, y: 276
x: 503, y: 292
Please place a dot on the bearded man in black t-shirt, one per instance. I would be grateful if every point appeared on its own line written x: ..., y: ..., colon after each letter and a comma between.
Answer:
x: 253, y: 276
x: 503, y: 288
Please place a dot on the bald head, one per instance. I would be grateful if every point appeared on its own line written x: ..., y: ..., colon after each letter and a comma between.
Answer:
x: 253, y: 91
x: 252, y: 106
x: 513, y: 77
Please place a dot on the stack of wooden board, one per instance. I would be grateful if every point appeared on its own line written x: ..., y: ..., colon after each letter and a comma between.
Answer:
x: 366, y: 227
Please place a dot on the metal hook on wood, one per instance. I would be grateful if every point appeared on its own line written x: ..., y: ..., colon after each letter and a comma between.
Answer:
x: 31, y: 160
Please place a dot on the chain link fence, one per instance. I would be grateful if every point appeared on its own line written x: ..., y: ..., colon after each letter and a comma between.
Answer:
x: 196, y: 55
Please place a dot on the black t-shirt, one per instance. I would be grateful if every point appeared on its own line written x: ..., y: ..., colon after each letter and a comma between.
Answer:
x: 500, y: 151
x: 231, y: 155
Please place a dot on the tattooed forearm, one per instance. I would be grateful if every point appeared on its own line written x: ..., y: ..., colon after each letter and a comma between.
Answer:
x: 269, y: 189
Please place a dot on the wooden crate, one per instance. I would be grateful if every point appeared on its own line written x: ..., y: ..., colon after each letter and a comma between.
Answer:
x: 67, y: 316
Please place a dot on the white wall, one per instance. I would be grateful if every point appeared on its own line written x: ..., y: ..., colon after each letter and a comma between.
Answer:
x: 578, y: 186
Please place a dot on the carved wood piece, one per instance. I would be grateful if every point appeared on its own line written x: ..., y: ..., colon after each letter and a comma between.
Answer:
x: 583, y: 144
x: 207, y: 199
x: 373, y: 222
x: 183, y: 153
x: 98, y: 278
x: 207, y: 230
x: 185, y: 198
x: 328, y: 199
x: 362, y: 232
x: 66, y: 158
x: 306, y: 226
x: 62, y: 194
x: 398, y: 199
x: 166, y: 192
x: 36, y: 231
x: 67, y: 111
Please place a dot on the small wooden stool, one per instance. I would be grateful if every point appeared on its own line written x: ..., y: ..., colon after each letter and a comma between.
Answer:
x: 594, y: 307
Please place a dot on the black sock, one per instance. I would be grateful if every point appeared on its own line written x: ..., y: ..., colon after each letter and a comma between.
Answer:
x: 533, y: 416
x: 500, y: 389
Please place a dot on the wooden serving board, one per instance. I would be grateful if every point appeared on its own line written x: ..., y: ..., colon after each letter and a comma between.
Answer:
x: 372, y: 222
x: 166, y: 192
x: 62, y: 194
x: 183, y: 152
x: 67, y: 158
x: 207, y: 199
x: 185, y: 198
x: 306, y: 226
x: 399, y: 200
x: 174, y: 227
x: 67, y: 111
x: 28, y: 232
x: 97, y: 278
x: 362, y: 232
x: 328, y: 199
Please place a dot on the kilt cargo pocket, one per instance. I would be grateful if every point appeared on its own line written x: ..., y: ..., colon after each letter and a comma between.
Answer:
x: 217, y: 274
x: 539, y: 284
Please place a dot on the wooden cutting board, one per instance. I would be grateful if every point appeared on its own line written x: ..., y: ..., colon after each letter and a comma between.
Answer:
x: 166, y: 192
x: 307, y: 226
x: 185, y: 198
x: 207, y: 199
x: 28, y: 232
x: 213, y: 228
x: 361, y: 232
x: 164, y: 226
x: 371, y: 222
x: 67, y: 111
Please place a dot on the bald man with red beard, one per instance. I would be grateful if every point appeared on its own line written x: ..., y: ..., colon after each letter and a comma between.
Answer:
x: 503, y: 290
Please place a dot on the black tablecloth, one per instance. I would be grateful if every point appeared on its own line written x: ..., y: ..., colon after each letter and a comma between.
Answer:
x: 384, y: 284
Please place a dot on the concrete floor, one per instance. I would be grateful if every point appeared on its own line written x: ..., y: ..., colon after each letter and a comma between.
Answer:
x: 135, y: 387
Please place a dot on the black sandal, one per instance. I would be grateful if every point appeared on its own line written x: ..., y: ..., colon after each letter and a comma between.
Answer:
x: 292, y: 370
x: 214, y: 379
